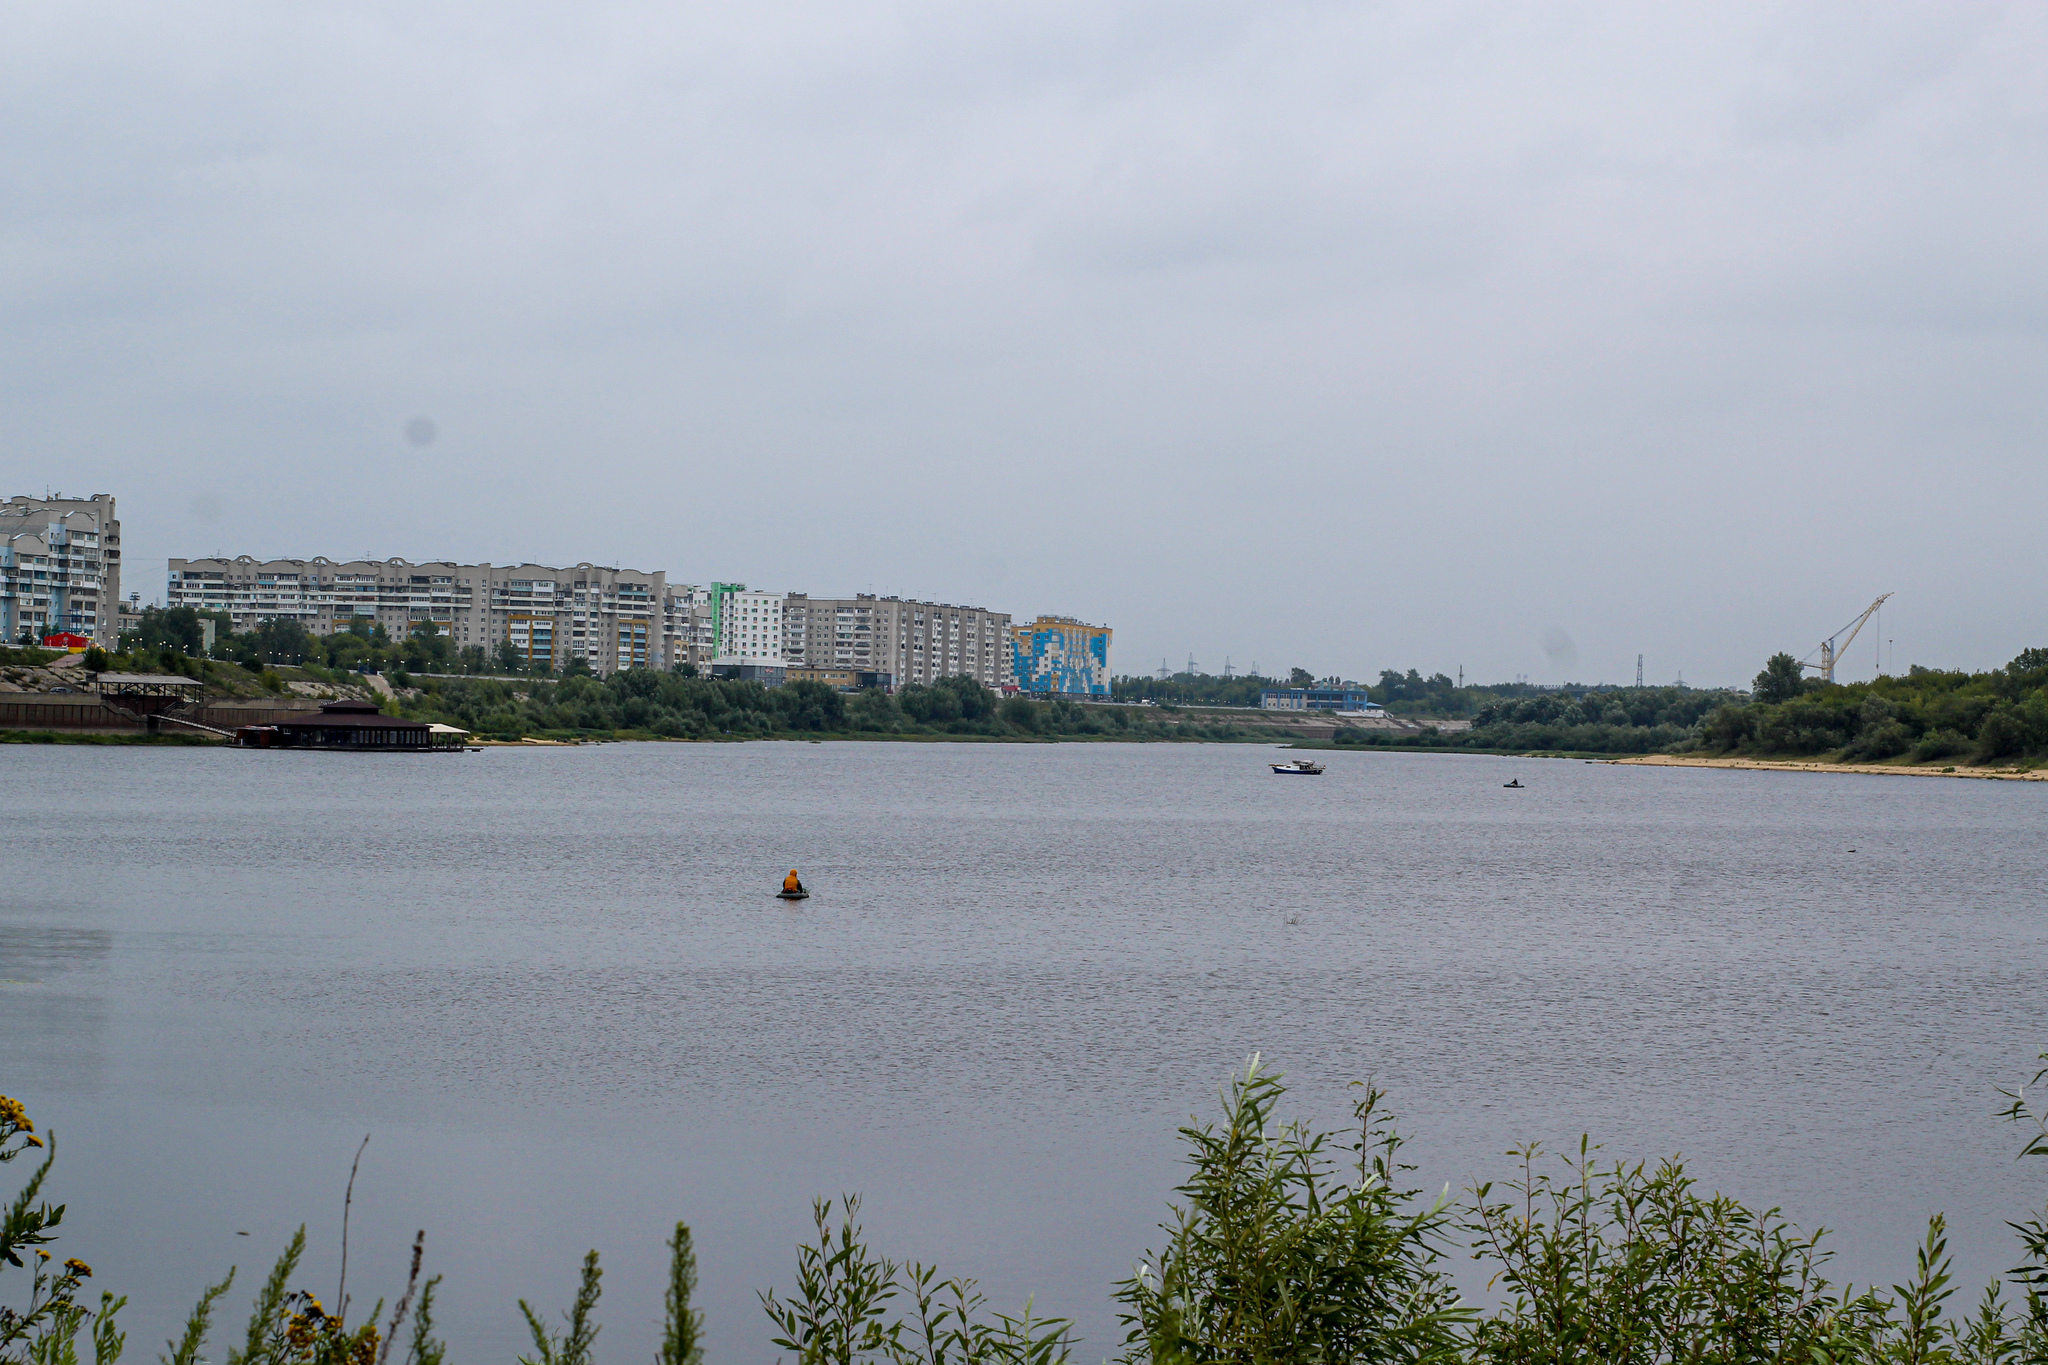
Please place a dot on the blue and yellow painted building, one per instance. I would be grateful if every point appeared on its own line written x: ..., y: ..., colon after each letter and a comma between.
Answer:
x: 1059, y: 656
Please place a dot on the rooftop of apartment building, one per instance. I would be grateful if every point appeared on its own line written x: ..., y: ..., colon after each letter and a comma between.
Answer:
x: 398, y: 562
x: 892, y: 597
x: 21, y: 500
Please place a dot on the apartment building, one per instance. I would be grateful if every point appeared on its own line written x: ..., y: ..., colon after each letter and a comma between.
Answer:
x: 611, y: 618
x: 746, y: 626
x: 689, y: 626
x: 912, y: 642
x: 60, y: 568
x: 1060, y: 656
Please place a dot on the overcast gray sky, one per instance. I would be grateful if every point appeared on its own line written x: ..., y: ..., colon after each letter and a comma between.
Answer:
x: 1352, y: 336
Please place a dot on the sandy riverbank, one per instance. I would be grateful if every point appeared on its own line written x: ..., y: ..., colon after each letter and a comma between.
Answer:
x: 1815, y: 766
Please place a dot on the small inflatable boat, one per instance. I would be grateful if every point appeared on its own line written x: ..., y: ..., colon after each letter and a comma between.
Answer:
x: 792, y: 895
x: 1516, y: 783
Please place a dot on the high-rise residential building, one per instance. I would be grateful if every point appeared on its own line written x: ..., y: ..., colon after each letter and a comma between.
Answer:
x: 60, y: 568
x: 610, y: 618
x: 1059, y: 656
x: 689, y: 626
x: 746, y: 626
x: 912, y: 642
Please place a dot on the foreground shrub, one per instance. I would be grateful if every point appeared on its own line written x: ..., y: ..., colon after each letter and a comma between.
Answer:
x: 841, y: 1309
x: 1278, y: 1254
x: 1273, y: 1257
x: 1620, y: 1263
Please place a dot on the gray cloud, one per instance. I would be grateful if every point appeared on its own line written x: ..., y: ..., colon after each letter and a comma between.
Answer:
x: 1341, y: 335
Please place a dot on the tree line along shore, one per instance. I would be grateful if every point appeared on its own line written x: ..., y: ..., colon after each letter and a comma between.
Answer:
x: 1925, y: 718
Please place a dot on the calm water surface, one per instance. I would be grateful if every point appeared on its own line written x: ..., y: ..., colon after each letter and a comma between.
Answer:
x: 554, y: 987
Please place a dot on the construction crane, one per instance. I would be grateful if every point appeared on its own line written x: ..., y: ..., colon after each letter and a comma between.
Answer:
x: 1831, y: 653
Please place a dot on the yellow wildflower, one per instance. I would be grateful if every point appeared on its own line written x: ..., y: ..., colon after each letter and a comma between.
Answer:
x: 44, y: 1254
x: 34, y: 1141
x: 78, y: 1268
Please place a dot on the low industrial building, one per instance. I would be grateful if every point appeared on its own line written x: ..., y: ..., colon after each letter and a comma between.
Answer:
x: 845, y: 679
x: 768, y: 675
x: 356, y: 726
x: 1347, y: 699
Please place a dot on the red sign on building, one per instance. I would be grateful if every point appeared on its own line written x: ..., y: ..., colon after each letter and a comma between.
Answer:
x: 66, y: 640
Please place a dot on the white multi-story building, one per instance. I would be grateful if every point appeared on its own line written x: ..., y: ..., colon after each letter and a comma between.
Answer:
x: 746, y: 627
x: 912, y: 642
x: 60, y: 568
x: 610, y: 618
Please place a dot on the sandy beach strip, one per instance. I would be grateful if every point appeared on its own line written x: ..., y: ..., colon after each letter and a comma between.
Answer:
x: 1794, y: 765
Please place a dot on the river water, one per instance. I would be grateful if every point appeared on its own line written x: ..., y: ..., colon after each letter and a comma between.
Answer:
x: 553, y: 987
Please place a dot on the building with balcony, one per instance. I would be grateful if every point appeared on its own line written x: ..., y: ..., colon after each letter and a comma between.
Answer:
x: 60, y: 568
x: 688, y: 626
x: 610, y: 618
x: 1061, y: 657
x: 910, y: 641
x: 746, y: 627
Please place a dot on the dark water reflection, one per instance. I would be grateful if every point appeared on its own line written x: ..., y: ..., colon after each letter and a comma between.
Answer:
x: 553, y: 985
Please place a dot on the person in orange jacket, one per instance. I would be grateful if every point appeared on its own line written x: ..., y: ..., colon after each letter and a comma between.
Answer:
x: 790, y: 883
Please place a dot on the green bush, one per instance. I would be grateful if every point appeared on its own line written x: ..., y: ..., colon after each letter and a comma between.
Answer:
x: 1621, y: 1263
x: 1940, y: 744
x: 2001, y: 734
x: 1276, y: 1256
x: 1021, y: 713
x: 1887, y: 739
x: 1291, y: 1246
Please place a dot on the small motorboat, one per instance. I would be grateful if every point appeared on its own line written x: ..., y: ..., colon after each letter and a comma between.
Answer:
x: 1516, y: 783
x: 1299, y: 765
